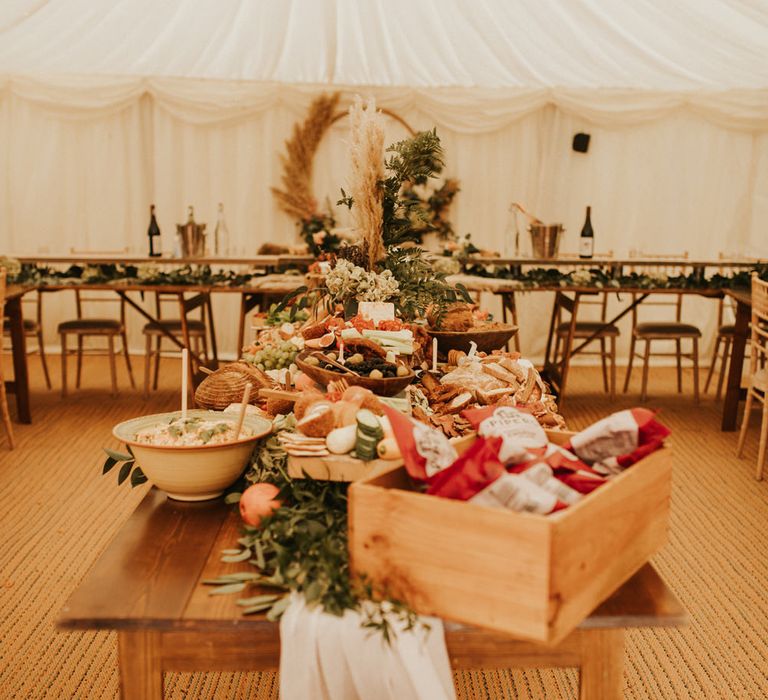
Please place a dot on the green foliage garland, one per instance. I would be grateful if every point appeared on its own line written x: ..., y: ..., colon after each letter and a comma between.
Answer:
x: 302, y: 546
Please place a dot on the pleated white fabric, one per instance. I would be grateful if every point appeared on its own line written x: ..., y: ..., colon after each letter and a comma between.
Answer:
x: 106, y: 107
x: 636, y: 44
x: 325, y: 657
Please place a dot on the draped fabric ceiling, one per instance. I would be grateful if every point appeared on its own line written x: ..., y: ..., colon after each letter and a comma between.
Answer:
x: 106, y: 107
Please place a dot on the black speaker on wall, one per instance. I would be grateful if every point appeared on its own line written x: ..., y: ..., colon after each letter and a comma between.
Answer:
x: 581, y: 142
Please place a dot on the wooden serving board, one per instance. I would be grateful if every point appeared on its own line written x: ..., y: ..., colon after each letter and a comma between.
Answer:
x: 338, y: 467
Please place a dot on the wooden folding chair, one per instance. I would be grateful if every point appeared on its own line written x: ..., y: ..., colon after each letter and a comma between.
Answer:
x: 758, y: 370
x: 33, y: 328
x: 84, y: 327
x: 556, y: 365
x: 3, y: 396
x: 663, y: 331
x: 193, y: 333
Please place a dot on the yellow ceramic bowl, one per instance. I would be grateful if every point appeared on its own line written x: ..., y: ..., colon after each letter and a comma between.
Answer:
x: 192, y: 473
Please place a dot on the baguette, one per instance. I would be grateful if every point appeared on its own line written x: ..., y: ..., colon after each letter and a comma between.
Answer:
x: 524, y: 395
x: 498, y: 372
x: 512, y: 366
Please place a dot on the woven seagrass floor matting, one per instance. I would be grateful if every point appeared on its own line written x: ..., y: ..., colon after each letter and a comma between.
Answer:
x: 57, y: 514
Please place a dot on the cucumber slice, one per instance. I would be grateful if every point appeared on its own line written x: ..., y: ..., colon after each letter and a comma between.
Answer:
x: 368, y: 423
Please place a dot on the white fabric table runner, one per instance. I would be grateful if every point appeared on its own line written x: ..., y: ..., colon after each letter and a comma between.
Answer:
x: 326, y: 657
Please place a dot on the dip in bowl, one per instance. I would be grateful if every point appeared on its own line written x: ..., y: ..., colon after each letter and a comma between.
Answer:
x: 192, y: 460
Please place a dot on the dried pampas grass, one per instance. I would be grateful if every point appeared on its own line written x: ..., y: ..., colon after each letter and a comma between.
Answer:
x: 367, y: 156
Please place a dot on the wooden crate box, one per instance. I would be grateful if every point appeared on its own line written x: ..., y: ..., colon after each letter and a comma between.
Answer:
x: 532, y: 576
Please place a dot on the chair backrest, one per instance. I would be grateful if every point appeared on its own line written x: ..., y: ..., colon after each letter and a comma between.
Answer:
x: 175, y: 299
x: 35, y: 298
x: 570, y: 305
x: 83, y: 299
x: 759, y: 354
x: 594, y: 299
x: 666, y: 265
x: 726, y: 312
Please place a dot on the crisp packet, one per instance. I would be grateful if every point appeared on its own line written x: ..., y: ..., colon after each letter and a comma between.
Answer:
x: 571, y: 470
x: 425, y: 450
x: 479, y: 477
x: 478, y: 467
x: 618, y: 441
x: 515, y: 492
x: 520, y: 431
x: 543, y: 475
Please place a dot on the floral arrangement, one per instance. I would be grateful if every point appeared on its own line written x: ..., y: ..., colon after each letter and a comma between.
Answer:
x: 12, y: 267
x: 346, y: 281
x: 427, y: 211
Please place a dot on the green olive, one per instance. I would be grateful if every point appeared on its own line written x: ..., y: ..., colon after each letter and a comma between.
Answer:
x: 332, y: 356
x: 312, y: 360
x: 355, y: 359
x: 376, y: 374
x: 402, y: 371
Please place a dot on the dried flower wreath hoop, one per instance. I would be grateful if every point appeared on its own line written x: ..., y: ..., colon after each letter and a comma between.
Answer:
x: 296, y: 198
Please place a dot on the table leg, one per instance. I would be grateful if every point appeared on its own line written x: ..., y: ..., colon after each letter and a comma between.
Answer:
x: 141, y: 671
x: 20, y: 383
x: 212, y: 332
x: 602, y: 664
x: 736, y: 367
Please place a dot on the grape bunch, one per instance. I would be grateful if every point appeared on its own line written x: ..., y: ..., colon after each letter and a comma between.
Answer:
x: 275, y: 356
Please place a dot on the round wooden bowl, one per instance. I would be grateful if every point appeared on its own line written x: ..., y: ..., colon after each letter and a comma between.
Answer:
x: 383, y: 387
x: 487, y: 340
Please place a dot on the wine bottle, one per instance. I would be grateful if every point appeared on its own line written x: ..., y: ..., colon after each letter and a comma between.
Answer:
x: 153, y: 232
x: 587, y: 239
x: 221, y: 235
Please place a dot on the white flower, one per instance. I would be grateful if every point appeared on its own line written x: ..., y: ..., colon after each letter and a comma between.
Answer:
x: 12, y: 265
x: 581, y: 277
x: 147, y: 271
x: 90, y: 273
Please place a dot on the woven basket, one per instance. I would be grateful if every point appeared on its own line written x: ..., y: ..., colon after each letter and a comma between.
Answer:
x: 227, y: 385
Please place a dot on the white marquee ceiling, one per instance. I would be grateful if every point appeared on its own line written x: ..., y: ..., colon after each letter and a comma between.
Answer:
x: 687, y: 45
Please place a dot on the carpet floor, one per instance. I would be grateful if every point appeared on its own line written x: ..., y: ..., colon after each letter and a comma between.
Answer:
x: 57, y: 514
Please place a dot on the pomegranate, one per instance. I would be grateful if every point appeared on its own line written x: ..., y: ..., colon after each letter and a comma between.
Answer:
x: 257, y: 502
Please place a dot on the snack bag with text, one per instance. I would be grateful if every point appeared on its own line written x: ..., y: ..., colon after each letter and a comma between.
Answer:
x: 478, y: 476
x: 425, y: 450
x: 618, y: 441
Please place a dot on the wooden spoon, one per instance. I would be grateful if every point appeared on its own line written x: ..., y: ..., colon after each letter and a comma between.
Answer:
x: 327, y: 360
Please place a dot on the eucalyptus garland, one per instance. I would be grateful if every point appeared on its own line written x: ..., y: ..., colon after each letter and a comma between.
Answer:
x: 600, y: 278
x: 302, y: 547
x: 43, y: 275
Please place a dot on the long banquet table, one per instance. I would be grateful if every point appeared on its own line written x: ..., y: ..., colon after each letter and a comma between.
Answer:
x: 282, y: 284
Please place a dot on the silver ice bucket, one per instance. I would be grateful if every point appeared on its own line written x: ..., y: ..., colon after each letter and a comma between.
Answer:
x: 545, y: 239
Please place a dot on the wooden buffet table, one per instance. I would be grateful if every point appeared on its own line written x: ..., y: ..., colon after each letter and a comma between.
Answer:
x: 147, y: 586
x: 253, y: 293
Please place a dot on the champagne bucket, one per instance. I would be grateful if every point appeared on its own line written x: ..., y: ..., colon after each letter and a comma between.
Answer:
x: 545, y: 239
x: 192, y: 240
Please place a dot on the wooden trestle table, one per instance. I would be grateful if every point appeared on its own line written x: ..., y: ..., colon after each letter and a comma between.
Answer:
x: 201, y: 294
x: 147, y: 586
x: 251, y: 294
